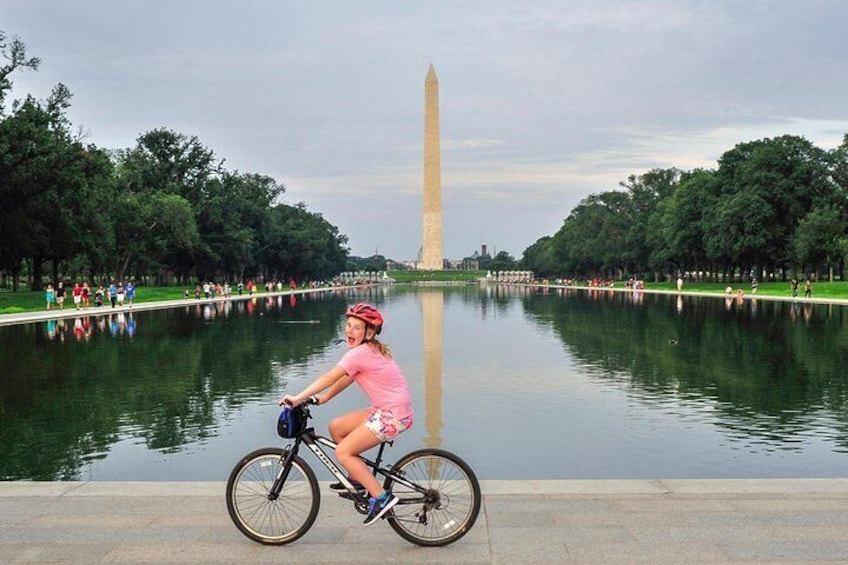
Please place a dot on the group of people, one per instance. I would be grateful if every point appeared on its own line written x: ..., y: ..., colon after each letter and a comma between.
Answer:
x: 638, y: 284
x: 794, y: 284
x: 808, y: 287
x: 212, y: 290
x: 217, y: 290
x: 117, y: 293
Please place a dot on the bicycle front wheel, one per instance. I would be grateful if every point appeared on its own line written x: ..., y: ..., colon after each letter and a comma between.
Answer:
x: 265, y: 518
x: 449, y: 505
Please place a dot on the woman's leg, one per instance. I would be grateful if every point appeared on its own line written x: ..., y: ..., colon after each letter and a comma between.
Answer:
x: 352, y: 439
x: 355, y: 442
x: 340, y: 427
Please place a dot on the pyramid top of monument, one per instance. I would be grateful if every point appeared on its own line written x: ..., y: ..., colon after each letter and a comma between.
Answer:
x: 431, y: 74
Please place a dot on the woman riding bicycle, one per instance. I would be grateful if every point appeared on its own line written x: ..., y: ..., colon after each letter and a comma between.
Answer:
x: 369, y: 363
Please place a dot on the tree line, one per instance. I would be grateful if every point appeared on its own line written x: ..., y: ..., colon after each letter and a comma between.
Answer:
x: 775, y: 206
x: 166, y: 209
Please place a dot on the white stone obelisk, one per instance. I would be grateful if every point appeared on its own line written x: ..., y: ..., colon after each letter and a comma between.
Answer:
x: 431, y: 257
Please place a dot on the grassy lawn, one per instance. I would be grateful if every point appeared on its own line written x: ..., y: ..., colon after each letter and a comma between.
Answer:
x: 838, y: 289
x: 436, y: 276
x: 30, y: 301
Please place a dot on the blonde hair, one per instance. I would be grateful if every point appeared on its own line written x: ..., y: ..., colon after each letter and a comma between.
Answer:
x: 379, y: 346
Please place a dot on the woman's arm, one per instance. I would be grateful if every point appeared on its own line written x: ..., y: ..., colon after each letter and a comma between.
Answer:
x: 326, y: 380
x: 336, y: 388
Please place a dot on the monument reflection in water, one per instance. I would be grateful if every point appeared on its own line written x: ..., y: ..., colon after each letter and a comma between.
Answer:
x: 432, y: 307
x: 523, y: 384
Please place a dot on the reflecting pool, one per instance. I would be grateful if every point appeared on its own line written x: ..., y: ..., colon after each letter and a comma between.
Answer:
x: 522, y: 383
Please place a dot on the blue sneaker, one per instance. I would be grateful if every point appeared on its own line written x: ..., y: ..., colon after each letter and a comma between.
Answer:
x: 377, y: 507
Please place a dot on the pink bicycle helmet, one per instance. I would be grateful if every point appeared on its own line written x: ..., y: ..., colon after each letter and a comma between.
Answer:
x: 367, y: 314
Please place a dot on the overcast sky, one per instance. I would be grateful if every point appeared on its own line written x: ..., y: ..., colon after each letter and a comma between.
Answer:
x: 542, y: 103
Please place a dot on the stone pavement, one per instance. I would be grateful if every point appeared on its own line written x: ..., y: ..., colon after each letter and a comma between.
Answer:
x: 665, y: 521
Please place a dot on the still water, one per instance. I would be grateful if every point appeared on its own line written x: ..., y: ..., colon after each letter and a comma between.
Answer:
x: 523, y: 384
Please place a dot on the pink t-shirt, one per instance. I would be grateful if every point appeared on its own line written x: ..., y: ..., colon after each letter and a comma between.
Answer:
x: 380, y: 378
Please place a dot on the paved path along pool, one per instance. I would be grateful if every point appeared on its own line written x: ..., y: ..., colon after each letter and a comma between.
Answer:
x: 664, y: 521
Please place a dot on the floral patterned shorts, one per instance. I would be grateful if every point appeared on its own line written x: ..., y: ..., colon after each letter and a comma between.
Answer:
x: 385, y: 425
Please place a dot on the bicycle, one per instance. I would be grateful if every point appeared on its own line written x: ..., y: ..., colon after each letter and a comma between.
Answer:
x: 273, y: 495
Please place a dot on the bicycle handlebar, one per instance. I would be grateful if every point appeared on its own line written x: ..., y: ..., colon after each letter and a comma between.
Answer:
x: 311, y: 400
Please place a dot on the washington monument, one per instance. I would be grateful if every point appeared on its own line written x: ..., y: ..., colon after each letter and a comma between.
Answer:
x: 431, y: 257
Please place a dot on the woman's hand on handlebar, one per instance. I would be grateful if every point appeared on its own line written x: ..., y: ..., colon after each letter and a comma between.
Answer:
x: 290, y: 400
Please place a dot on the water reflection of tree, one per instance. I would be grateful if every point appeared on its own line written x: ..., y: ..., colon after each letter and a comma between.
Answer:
x: 62, y: 404
x: 772, y: 370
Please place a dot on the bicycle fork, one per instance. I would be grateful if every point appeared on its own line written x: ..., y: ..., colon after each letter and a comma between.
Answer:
x: 283, y: 473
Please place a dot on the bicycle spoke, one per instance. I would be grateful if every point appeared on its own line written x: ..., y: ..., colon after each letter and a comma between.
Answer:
x: 267, y: 519
x: 450, y: 505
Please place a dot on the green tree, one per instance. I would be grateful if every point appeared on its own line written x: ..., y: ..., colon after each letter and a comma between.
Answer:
x: 96, y: 197
x: 821, y: 237
x: 767, y: 186
x: 503, y: 261
x: 593, y: 238
x: 302, y: 244
x: 540, y: 258
x: 15, y: 53
x: 231, y: 218
x: 149, y: 227
x: 737, y: 229
x: 683, y: 225
x: 166, y: 161
x: 170, y: 173
x: 647, y: 193
x: 838, y: 165
x: 50, y: 186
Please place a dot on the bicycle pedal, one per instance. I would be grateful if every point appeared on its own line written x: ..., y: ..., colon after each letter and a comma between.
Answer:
x: 347, y: 496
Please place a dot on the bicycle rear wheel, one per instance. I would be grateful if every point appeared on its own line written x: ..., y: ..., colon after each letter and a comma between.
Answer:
x: 450, y: 506
x: 264, y: 518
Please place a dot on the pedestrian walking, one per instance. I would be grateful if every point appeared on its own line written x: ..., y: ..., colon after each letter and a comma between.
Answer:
x: 50, y: 295
x: 60, y: 295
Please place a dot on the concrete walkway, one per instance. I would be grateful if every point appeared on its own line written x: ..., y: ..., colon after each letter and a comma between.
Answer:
x: 670, y: 521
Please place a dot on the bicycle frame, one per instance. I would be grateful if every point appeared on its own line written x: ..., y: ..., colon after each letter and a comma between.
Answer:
x: 314, y: 442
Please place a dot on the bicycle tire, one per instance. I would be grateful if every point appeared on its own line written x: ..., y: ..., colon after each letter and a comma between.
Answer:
x: 278, y: 521
x: 455, y: 489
